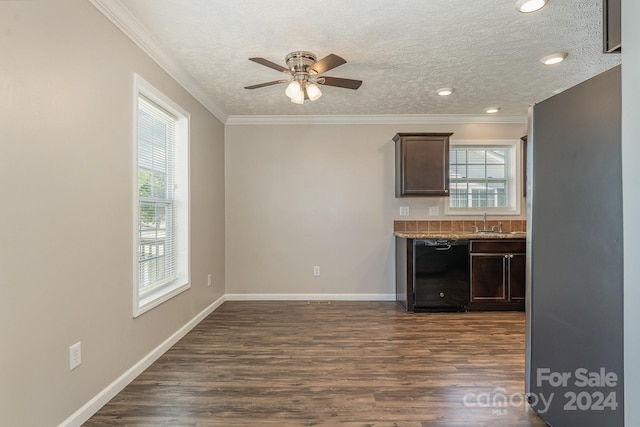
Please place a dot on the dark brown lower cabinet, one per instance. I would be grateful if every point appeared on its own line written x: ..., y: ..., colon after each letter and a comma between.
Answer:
x: 404, y: 273
x: 497, y: 274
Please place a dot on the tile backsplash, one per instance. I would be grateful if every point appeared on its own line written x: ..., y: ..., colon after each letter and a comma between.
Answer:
x: 457, y: 225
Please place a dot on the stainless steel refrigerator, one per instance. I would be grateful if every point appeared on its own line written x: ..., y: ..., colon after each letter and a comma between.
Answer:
x: 574, y: 359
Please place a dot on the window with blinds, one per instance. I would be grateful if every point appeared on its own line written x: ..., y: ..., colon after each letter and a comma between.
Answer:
x: 162, y: 198
x: 483, y: 177
x: 156, y: 205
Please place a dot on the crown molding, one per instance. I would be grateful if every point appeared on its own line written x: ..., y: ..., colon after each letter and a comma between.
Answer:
x: 380, y: 119
x: 120, y: 16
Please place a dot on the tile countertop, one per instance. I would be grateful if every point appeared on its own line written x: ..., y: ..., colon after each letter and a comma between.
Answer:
x: 459, y: 229
x: 459, y: 235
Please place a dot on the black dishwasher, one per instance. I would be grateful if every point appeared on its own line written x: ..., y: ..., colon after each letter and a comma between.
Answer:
x: 441, y: 274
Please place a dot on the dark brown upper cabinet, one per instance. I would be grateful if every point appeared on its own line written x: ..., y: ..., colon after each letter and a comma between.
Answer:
x: 612, y: 25
x: 422, y: 164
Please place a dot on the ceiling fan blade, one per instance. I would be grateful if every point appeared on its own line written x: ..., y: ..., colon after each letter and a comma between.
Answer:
x: 340, y: 82
x: 275, y: 82
x: 327, y: 63
x: 270, y: 64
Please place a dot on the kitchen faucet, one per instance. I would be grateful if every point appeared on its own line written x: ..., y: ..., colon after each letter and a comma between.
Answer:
x: 484, y: 226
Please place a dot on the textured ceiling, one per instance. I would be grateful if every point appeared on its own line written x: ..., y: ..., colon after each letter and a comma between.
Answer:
x: 403, y: 50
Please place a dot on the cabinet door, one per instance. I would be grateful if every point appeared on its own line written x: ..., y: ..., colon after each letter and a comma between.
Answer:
x: 524, y: 165
x: 488, y: 281
x: 404, y: 272
x: 422, y: 165
x: 517, y: 276
x: 612, y: 30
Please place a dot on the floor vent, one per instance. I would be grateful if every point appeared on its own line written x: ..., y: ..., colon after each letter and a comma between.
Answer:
x: 318, y: 302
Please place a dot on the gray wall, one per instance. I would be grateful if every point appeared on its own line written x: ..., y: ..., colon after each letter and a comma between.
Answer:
x: 66, y: 251
x: 305, y: 195
x: 631, y: 197
x: 576, y: 284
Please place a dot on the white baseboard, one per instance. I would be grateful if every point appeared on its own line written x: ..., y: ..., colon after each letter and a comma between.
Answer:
x: 101, y: 399
x: 310, y: 297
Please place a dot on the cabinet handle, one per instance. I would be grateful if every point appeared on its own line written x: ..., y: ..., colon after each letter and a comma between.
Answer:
x: 511, y: 256
x: 506, y: 256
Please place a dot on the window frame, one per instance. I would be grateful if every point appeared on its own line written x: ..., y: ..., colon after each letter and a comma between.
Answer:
x: 181, y: 221
x: 514, y: 179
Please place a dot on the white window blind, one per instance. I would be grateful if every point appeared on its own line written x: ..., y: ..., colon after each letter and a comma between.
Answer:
x: 156, y: 199
x: 478, y: 176
x: 484, y: 176
x: 162, y: 198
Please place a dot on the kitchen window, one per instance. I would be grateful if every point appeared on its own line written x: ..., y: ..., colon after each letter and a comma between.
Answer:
x: 484, y: 177
x: 162, y: 198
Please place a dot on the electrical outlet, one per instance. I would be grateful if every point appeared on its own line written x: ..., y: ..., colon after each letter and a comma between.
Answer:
x: 75, y: 356
x: 209, y: 279
x: 404, y: 210
x: 434, y: 210
x: 316, y: 270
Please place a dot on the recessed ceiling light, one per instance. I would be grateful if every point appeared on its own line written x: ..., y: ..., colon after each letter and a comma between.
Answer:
x: 554, y: 58
x: 445, y: 91
x: 527, y: 6
x: 492, y: 110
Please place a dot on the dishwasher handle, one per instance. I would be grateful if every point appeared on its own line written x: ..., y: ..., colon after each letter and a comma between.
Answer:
x: 443, y: 248
x: 441, y: 244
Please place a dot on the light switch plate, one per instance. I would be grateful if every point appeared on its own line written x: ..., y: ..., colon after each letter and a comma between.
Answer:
x: 75, y: 356
x: 404, y: 210
x: 434, y: 211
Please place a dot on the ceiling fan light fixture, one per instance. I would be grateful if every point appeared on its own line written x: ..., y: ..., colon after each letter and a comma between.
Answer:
x: 528, y: 6
x: 299, y: 98
x: 554, y: 58
x: 445, y: 91
x: 313, y: 91
x: 304, y: 72
x: 492, y: 110
x: 293, y: 89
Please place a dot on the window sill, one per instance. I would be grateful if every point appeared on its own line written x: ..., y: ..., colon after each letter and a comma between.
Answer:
x: 481, y: 211
x: 161, y: 295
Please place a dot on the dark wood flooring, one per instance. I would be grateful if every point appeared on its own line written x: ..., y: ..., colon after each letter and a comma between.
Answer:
x: 340, y: 364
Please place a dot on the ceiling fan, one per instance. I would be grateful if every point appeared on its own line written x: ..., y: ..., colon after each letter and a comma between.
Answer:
x: 305, y: 70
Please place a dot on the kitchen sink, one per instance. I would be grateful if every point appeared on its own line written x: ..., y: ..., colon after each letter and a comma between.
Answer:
x: 489, y: 232
x: 501, y: 232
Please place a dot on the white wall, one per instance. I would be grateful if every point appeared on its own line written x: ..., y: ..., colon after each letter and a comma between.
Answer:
x: 66, y: 251
x: 631, y: 205
x: 305, y: 195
